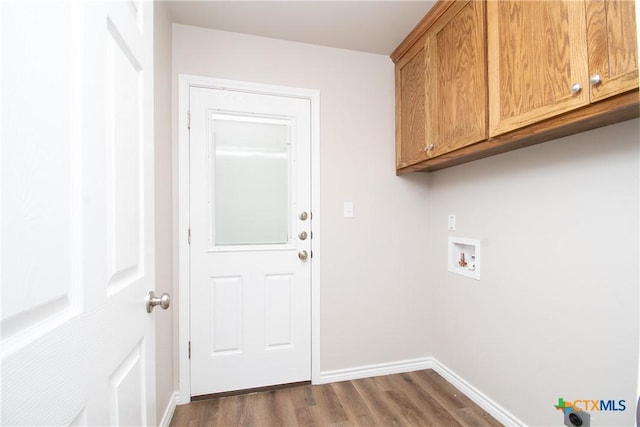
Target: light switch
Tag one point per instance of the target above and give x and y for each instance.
(348, 210)
(452, 222)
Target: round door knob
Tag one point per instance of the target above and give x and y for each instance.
(302, 235)
(152, 300)
(303, 215)
(595, 79)
(431, 147)
(576, 87)
(303, 255)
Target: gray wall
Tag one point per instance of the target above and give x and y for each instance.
(373, 288)
(555, 313)
(165, 384)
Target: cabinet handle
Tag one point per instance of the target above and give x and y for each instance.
(576, 87)
(595, 79)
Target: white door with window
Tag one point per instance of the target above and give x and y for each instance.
(250, 224)
(77, 213)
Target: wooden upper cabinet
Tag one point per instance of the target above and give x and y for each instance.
(441, 86)
(456, 78)
(410, 107)
(612, 41)
(537, 52)
(483, 77)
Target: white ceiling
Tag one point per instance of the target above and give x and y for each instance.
(368, 26)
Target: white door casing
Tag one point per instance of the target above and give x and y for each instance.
(226, 280)
(77, 213)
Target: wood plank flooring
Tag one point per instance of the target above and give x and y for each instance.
(421, 398)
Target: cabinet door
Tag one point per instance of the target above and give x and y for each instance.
(410, 107)
(613, 54)
(456, 79)
(537, 61)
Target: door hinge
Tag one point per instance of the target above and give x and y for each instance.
(189, 349)
(189, 120)
(189, 236)
(311, 252)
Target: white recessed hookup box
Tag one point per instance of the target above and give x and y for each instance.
(464, 257)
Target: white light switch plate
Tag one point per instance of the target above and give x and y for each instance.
(348, 210)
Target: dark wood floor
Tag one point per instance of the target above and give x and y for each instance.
(421, 398)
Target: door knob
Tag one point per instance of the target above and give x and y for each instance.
(153, 300)
(303, 255)
(303, 215)
(576, 87)
(595, 79)
(302, 235)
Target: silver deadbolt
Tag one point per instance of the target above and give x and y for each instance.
(302, 235)
(303, 255)
(153, 300)
(303, 215)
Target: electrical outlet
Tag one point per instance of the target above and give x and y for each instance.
(452, 222)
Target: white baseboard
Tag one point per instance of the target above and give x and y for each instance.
(480, 399)
(376, 370)
(168, 412)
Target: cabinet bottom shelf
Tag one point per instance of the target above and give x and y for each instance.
(616, 109)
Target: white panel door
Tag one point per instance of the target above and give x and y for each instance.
(250, 240)
(77, 213)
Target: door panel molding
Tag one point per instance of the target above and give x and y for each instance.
(185, 82)
(77, 213)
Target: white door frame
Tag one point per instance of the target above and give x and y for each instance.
(185, 82)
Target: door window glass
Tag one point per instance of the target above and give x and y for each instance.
(250, 176)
